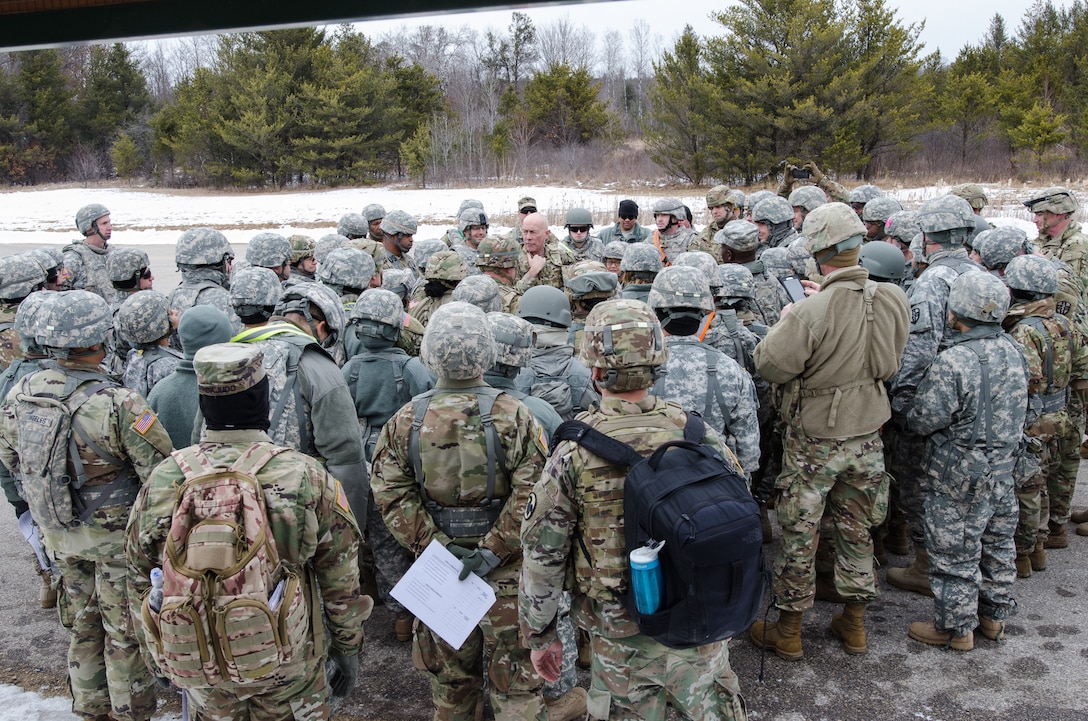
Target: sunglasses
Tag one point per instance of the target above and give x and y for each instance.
(526, 211)
(628, 217)
(146, 275)
(578, 228)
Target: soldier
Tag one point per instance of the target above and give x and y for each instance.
(374, 214)
(118, 445)
(640, 265)
(204, 259)
(445, 270)
(831, 354)
(347, 272)
(774, 217)
(739, 243)
(589, 283)
(526, 206)
(424, 250)
(129, 270)
(143, 322)
(738, 293)
(328, 243)
(481, 291)
(471, 502)
(20, 275)
(581, 497)
(497, 258)
(861, 195)
(1057, 359)
(875, 215)
(804, 200)
(626, 228)
(884, 262)
(1000, 246)
(717, 204)
(613, 256)
(899, 229)
(310, 524)
(670, 238)
(971, 402)
(698, 377)
(397, 234)
(303, 262)
(945, 223)
(315, 309)
(473, 225)
(579, 225)
(85, 258)
(352, 226)
(976, 198)
(272, 251)
(549, 260)
(52, 262)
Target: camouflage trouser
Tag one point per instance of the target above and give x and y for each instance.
(456, 675)
(105, 670)
(1031, 501)
(906, 458)
(847, 476)
(969, 536)
(637, 678)
(564, 628)
(391, 559)
(304, 698)
(1062, 482)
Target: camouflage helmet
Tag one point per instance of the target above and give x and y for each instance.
(972, 193)
(301, 298)
(144, 318)
(1032, 273)
(754, 198)
(918, 247)
(423, 250)
(346, 268)
(614, 250)
(975, 242)
(718, 195)
(681, 287)
(623, 335)
(469, 203)
(578, 216)
(946, 219)
(641, 258)
(864, 193)
(979, 297)
(268, 250)
(776, 262)
(328, 243)
(902, 226)
(20, 275)
(833, 225)
(373, 248)
(498, 253)
(1055, 199)
(398, 222)
(670, 206)
(87, 215)
(51, 258)
(302, 247)
(736, 281)
(546, 305)
(125, 263)
(740, 235)
(808, 197)
(378, 306)
(470, 217)
(446, 265)
(883, 260)
(1001, 245)
(514, 339)
(399, 280)
(202, 246)
(373, 212)
(735, 198)
(704, 262)
(772, 210)
(255, 291)
(880, 209)
(352, 225)
(481, 291)
(589, 279)
(26, 319)
(73, 319)
(458, 343)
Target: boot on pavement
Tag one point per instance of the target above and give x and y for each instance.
(1079, 517)
(783, 636)
(1082, 529)
(402, 626)
(927, 632)
(1038, 557)
(849, 627)
(991, 628)
(914, 577)
(47, 594)
(1023, 565)
(567, 707)
(1057, 538)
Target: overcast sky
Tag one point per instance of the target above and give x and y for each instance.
(950, 24)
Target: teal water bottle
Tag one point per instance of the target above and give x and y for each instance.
(647, 580)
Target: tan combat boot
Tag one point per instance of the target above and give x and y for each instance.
(914, 577)
(47, 594)
(1057, 538)
(1023, 565)
(567, 707)
(1082, 529)
(991, 628)
(783, 636)
(1079, 517)
(1038, 557)
(402, 626)
(849, 627)
(926, 632)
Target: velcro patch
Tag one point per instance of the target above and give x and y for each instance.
(342, 498)
(143, 424)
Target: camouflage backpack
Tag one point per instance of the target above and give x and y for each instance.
(230, 611)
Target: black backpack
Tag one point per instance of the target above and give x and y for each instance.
(687, 495)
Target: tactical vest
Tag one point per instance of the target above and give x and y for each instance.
(713, 395)
(1056, 396)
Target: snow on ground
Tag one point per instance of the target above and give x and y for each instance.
(19, 705)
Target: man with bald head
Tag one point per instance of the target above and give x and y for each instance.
(548, 258)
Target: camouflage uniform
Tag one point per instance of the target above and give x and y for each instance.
(9, 339)
(145, 367)
(446, 267)
(591, 248)
(671, 245)
(559, 258)
(200, 253)
(458, 480)
(87, 265)
(142, 322)
(482, 291)
(770, 296)
(314, 532)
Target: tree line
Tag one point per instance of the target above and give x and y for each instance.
(844, 82)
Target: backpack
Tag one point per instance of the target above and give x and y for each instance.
(230, 612)
(712, 561)
(47, 442)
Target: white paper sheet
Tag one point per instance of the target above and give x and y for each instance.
(431, 591)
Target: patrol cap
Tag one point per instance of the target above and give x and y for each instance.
(526, 202)
(226, 369)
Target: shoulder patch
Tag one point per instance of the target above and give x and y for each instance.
(915, 314)
(342, 498)
(530, 506)
(143, 424)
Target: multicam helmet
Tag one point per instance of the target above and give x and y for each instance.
(833, 225)
(470, 217)
(589, 279)
(268, 250)
(1055, 200)
(718, 195)
(704, 262)
(641, 258)
(21, 275)
(882, 260)
(328, 243)
(545, 305)
(378, 313)
(423, 250)
(946, 219)
(447, 265)
(458, 343)
(346, 270)
(864, 193)
(73, 319)
(373, 212)
(681, 287)
(255, 291)
(880, 209)
(902, 226)
(736, 281)
(624, 337)
(126, 263)
(772, 210)
(1001, 245)
(670, 206)
(144, 318)
(302, 247)
(972, 193)
(481, 291)
(352, 225)
(1032, 273)
(514, 339)
(979, 296)
(740, 235)
(87, 215)
(202, 246)
(808, 197)
(398, 222)
(498, 253)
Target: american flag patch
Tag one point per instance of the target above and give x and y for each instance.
(342, 498)
(143, 423)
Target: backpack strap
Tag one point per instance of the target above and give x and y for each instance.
(615, 452)
(984, 406)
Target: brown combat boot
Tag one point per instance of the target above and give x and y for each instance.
(991, 629)
(914, 577)
(783, 636)
(898, 539)
(567, 707)
(849, 627)
(402, 626)
(926, 632)
(47, 594)
(1082, 529)
(1038, 557)
(1057, 538)
(1023, 565)
(1079, 517)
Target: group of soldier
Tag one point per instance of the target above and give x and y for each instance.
(926, 393)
